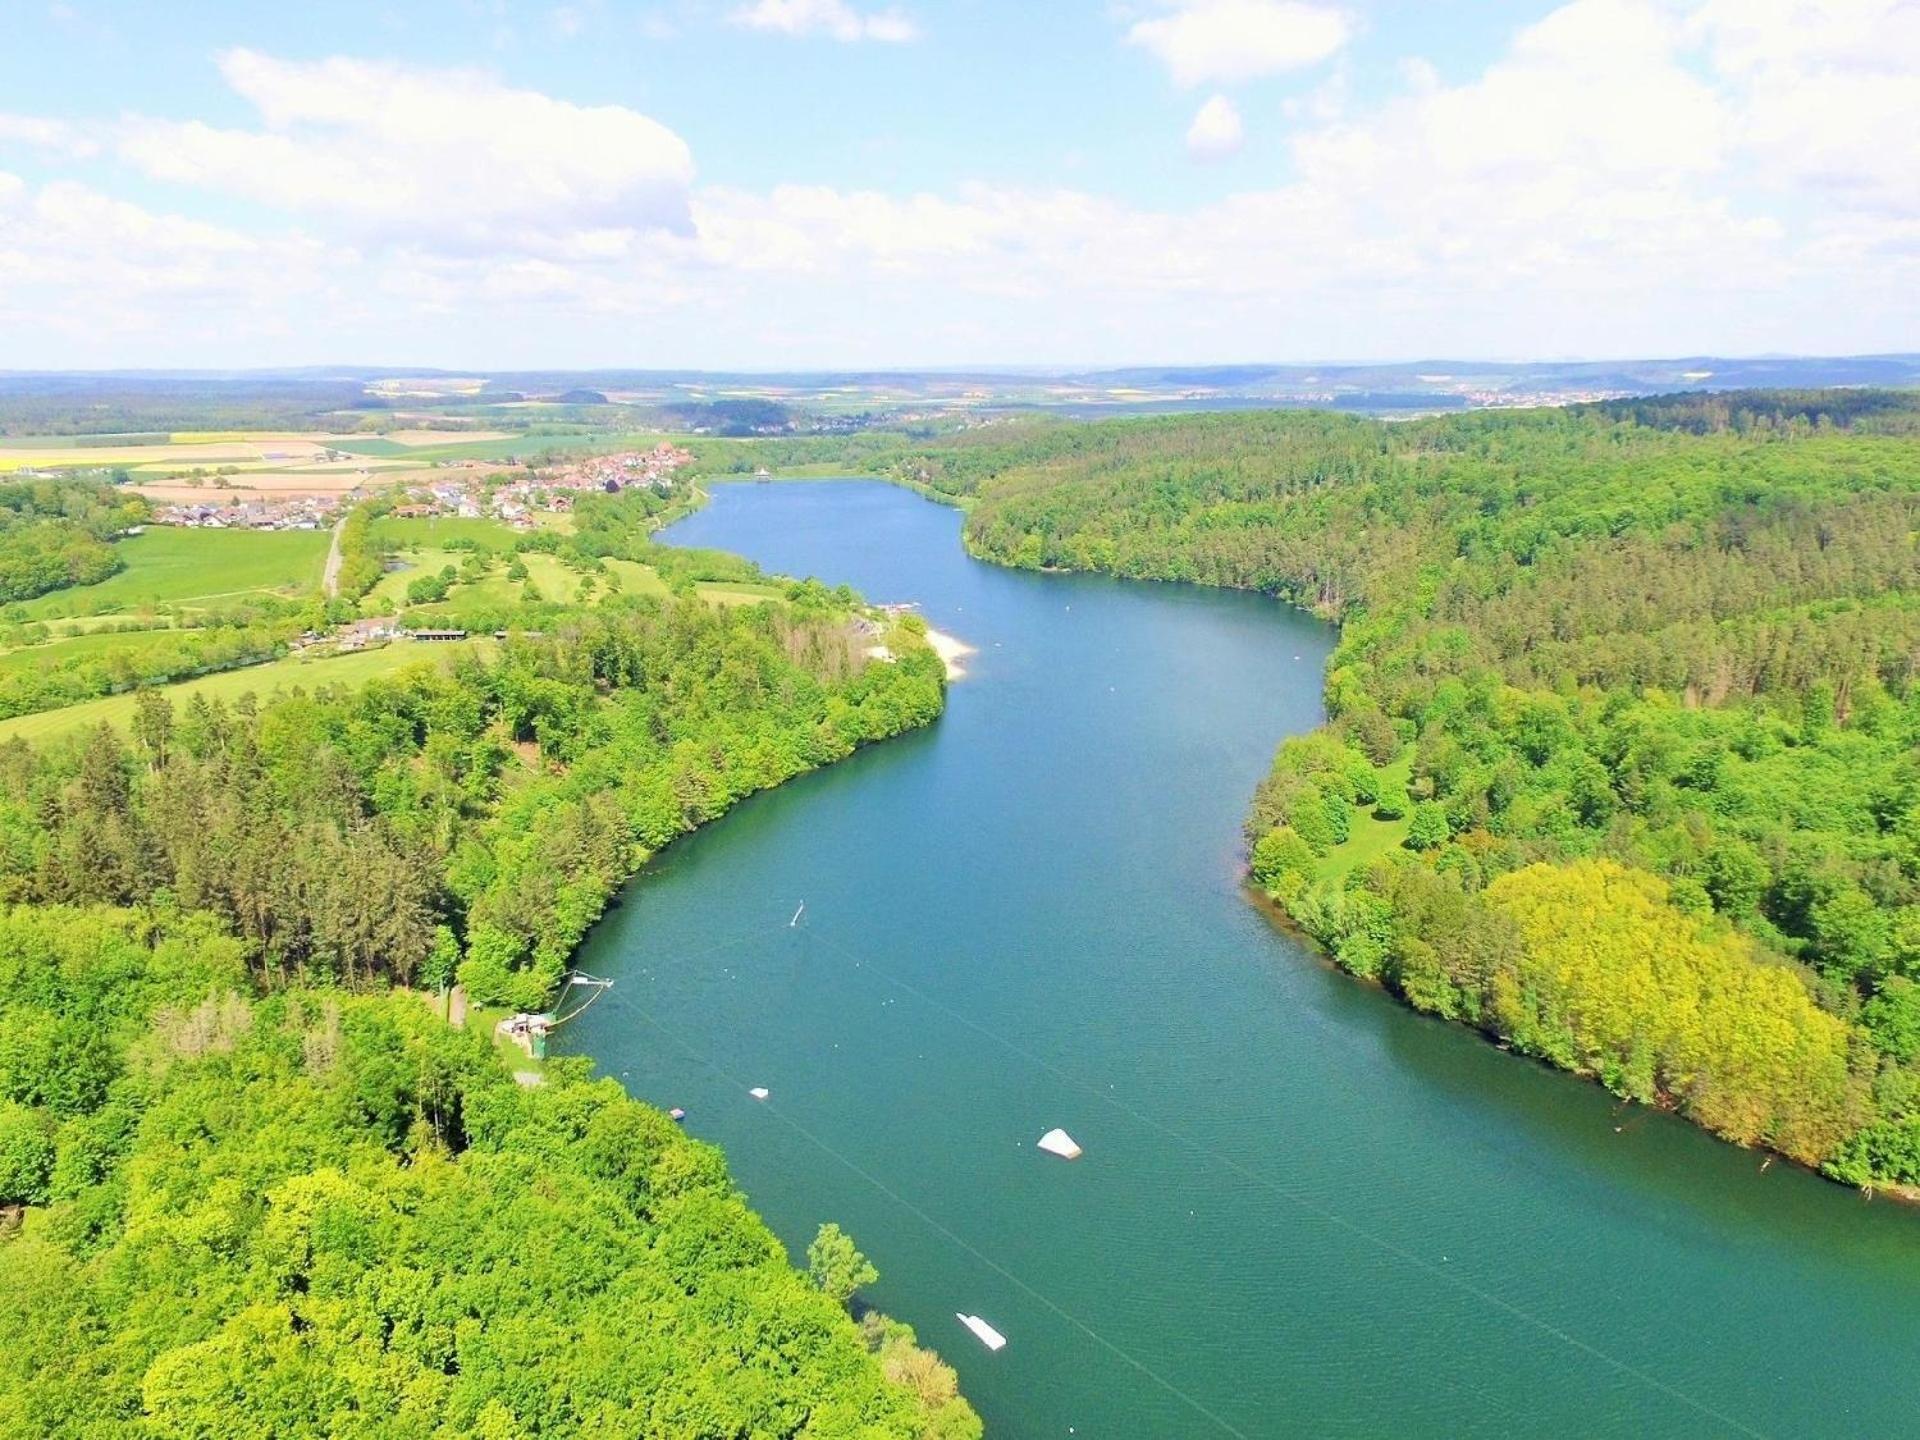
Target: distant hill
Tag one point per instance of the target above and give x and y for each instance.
(763, 403)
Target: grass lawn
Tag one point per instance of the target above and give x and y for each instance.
(556, 580)
(1367, 838)
(390, 593)
(738, 593)
(171, 565)
(437, 530)
(420, 548)
(262, 680)
(637, 579)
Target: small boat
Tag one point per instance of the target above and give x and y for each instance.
(676, 1113)
(759, 1092)
(982, 1331)
(1058, 1142)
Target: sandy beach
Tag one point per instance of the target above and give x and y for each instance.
(951, 651)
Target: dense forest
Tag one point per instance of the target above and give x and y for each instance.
(311, 1211)
(1620, 763)
(252, 1184)
(477, 819)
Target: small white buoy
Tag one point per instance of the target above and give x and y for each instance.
(759, 1092)
(1058, 1142)
(982, 1331)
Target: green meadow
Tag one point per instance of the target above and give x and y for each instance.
(407, 533)
(303, 672)
(1368, 836)
(167, 565)
(96, 644)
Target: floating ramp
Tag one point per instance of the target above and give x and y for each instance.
(1058, 1142)
(759, 1092)
(982, 1331)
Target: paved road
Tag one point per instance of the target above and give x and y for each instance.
(330, 580)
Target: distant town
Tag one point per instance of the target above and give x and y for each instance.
(471, 489)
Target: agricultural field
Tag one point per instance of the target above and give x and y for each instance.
(170, 566)
(231, 465)
(303, 672)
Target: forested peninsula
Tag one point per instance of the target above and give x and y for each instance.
(1619, 764)
(251, 1183)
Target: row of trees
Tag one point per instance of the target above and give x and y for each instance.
(46, 676)
(1648, 673)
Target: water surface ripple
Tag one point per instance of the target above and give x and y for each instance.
(1303, 1210)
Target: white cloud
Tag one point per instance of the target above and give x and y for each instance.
(1216, 130)
(93, 274)
(833, 18)
(1222, 42)
(1628, 176)
(453, 157)
(44, 134)
(1593, 189)
(1822, 94)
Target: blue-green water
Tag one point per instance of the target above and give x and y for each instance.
(1303, 1210)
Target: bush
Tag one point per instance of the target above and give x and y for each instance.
(26, 1155)
(1429, 830)
(1339, 816)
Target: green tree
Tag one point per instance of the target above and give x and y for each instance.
(838, 1269)
(1429, 829)
(1736, 877)
(26, 1155)
(1279, 853)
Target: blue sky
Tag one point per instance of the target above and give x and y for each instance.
(760, 183)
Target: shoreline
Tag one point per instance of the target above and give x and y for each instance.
(951, 651)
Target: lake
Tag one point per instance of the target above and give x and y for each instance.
(1303, 1209)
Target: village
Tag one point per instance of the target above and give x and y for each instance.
(472, 489)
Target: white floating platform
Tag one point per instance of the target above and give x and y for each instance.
(982, 1331)
(1058, 1142)
(759, 1092)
